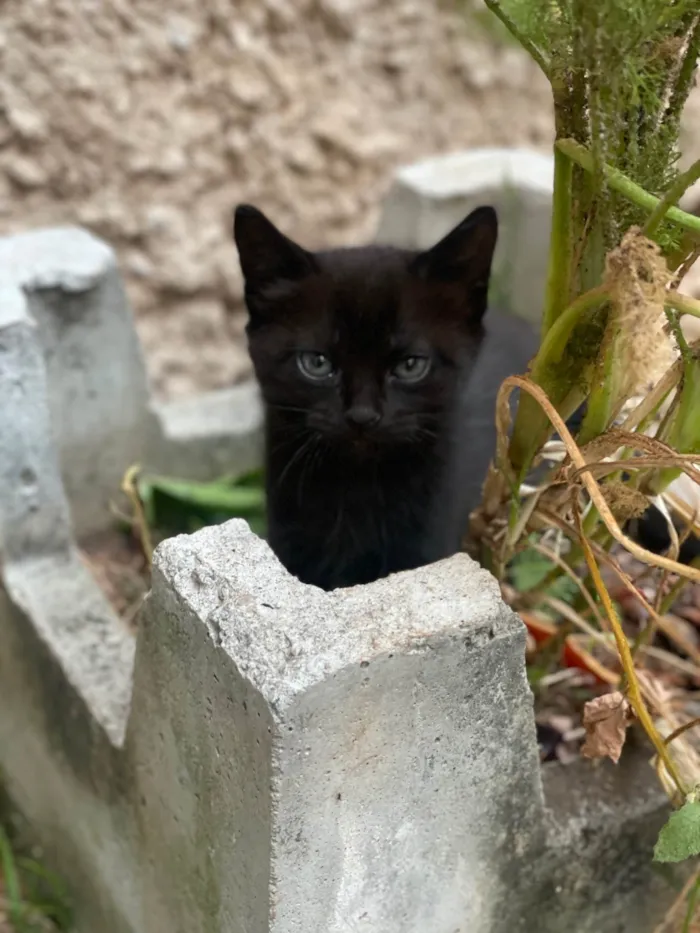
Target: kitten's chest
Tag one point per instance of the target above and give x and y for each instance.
(341, 528)
(367, 502)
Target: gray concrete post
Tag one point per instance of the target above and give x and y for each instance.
(102, 420)
(208, 435)
(430, 197)
(42, 573)
(98, 396)
(359, 760)
(34, 514)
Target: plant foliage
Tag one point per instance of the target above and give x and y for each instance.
(620, 72)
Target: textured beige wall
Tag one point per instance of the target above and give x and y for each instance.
(146, 122)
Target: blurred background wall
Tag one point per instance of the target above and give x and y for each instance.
(147, 122)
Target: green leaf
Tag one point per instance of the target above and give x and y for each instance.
(175, 506)
(219, 497)
(679, 839)
(528, 570)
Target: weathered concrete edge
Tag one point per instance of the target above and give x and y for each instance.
(495, 167)
(41, 571)
(202, 436)
(199, 437)
(70, 615)
(41, 259)
(403, 612)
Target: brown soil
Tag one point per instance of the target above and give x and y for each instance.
(120, 569)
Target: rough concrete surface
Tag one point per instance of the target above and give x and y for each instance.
(42, 575)
(69, 345)
(597, 874)
(208, 435)
(296, 761)
(34, 514)
(396, 723)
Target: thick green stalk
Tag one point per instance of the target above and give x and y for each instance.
(681, 426)
(686, 76)
(554, 343)
(625, 186)
(605, 393)
(683, 303)
(560, 244)
(550, 372)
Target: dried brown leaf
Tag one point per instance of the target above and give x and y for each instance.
(605, 720)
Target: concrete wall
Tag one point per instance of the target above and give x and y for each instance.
(291, 760)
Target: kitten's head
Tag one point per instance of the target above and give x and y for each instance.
(365, 346)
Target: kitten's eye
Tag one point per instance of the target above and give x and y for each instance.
(314, 365)
(412, 369)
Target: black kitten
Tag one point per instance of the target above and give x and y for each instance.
(375, 451)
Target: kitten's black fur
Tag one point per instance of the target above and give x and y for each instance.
(368, 472)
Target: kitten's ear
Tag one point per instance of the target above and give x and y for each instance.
(267, 255)
(461, 262)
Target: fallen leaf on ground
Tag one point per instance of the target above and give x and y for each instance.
(605, 720)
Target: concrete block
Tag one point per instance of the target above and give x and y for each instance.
(208, 435)
(98, 395)
(102, 419)
(430, 197)
(296, 761)
(42, 574)
(367, 744)
(34, 513)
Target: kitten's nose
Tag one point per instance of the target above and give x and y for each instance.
(364, 416)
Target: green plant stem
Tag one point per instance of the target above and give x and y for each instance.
(604, 394)
(625, 186)
(683, 303)
(517, 34)
(672, 595)
(11, 880)
(671, 198)
(560, 244)
(531, 425)
(555, 341)
(692, 904)
(686, 76)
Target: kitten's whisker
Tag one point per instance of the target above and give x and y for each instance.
(307, 464)
(297, 456)
(290, 439)
(291, 408)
